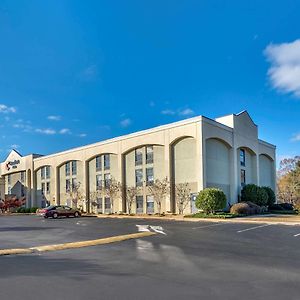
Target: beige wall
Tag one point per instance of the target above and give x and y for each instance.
(200, 151)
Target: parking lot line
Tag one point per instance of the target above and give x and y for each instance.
(206, 226)
(253, 228)
(298, 234)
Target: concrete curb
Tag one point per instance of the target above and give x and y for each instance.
(265, 219)
(74, 245)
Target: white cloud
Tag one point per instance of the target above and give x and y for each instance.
(186, 112)
(284, 72)
(125, 122)
(82, 135)
(7, 109)
(296, 138)
(65, 131)
(47, 131)
(54, 118)
(180, 112)
(89, 73)
(168, 112)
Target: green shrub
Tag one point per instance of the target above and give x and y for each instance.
(255, 194)
(271, 195)
(241, 208)
(287, 206)
(210, 200)
(33, 209)
(27, 210)
(276, 207)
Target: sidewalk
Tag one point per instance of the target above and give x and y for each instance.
(260, 219)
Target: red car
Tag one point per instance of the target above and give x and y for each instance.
(55, 211)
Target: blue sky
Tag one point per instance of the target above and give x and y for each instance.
(77, 72)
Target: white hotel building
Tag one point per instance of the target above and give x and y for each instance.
(224, 153)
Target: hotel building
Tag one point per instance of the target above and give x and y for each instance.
(224, 153)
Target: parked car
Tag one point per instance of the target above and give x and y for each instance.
(55, 211)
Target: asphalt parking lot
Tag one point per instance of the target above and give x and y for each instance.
(183, 260)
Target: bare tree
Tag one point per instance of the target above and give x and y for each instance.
(159, 189)
(94, 196)
(183, 194)
(113, 189)
(131, 193)
(77, 196)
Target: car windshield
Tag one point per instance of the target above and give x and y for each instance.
(50, 207)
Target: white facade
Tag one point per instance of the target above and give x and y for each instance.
(200, 151)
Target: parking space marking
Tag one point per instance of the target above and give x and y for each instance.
(253, 228)
(206, 226)
(298, 234)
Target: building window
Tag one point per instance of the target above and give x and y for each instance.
(98, 182)
(43, 173)
(149, 176)
(68, 185)
(9, 190)
(98, 163)
(74, 167)
(48, 187)
(150, 205)
(8, 179)
(74, 184)
(99, 203)
(67, 169)
(107, 203)
(48, 172)
(23, 176)
(139, 204)
(43, 188)
(106, 180)
(242, 157)
(243, 178)
(139, 156)
(139, 177)
(106, 161)
(149, 155)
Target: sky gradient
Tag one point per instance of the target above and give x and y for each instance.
(77, 72)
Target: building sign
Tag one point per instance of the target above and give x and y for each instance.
(12, 164)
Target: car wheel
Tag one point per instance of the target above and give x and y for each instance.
(76, 214)
(55, 215)
(46, 217)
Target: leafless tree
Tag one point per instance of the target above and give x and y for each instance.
(131, 193)
(183, 193)
(94, 196)
(159, 189)
(77, 196)
(113, 189)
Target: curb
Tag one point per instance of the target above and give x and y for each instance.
(75, 245)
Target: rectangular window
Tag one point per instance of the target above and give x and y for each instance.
(106, 161)
(67, 169)
(149, 176)
(107, 203)
(43, 188)
(98, 163)
(48, 187)
(74, 167)
(98, 182)
(139, 177)
(43, 173)
(8, 179)
(74, 184)
(106, 180)
(9, 191)
(243, 178)
(139, 156)
(150, 205)
(23, 176)
(242, 157)
(68, 185)
(139, 204)
(99, 204)
(48, 172)
(149, 155)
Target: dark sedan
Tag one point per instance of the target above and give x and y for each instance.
(55, 211)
